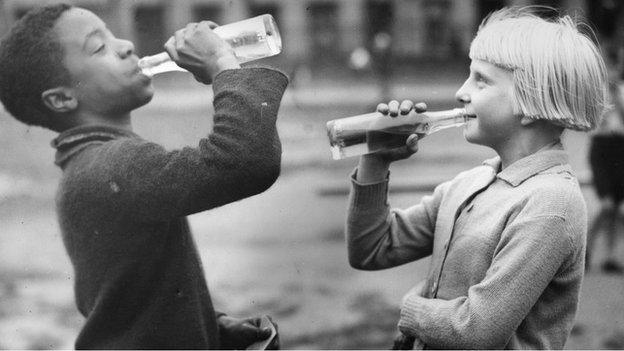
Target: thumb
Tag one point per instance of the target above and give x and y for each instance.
(412, 142)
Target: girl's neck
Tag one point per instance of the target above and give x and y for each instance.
(522, 148)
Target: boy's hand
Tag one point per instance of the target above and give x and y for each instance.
(393, 109)
(199, 50)
(239, 333)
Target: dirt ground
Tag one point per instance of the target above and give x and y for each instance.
(281, 253)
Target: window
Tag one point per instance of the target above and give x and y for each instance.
(323, 29)
(260, 9)
(208, 13)
(150, 29)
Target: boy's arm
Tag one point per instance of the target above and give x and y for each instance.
(378, 237)
(530, 253)
(240, 158)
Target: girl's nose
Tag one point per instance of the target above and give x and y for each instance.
(462, 95)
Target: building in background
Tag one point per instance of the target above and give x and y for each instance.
(322, 33)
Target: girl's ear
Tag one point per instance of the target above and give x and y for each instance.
(59, 99)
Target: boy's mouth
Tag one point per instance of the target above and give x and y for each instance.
(139, 71)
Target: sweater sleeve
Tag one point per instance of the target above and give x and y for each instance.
(530, 253)
(239, 158)
(379, 237)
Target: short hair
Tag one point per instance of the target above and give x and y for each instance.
(31, 61)
(559, 73)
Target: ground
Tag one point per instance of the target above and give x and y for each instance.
(282, 252)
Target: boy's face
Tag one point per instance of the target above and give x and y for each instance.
(488, 94)
(103, 68)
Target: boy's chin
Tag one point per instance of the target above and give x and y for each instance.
(147, 98)
(144, 98)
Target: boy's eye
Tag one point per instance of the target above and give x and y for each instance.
(99, 49)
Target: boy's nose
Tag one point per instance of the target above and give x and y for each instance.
(126, 48)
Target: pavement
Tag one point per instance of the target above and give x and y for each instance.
(332, 94)
(600, 319)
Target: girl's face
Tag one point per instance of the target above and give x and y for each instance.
(488, 94)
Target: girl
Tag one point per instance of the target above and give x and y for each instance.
(507, 238)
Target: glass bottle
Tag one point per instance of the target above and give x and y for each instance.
(372, 132)
(252, 39)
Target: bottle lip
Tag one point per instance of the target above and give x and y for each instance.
(271, 29)
(332, 132)
(462, 111)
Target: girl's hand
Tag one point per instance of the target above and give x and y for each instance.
(393, 109)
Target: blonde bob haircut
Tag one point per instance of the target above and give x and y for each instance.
(558, 72)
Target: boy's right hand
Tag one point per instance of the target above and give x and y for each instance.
(199, 50)
(240, 333)
(393, 109)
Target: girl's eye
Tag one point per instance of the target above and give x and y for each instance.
(481, 82)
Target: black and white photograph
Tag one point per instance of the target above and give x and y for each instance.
(311, 174)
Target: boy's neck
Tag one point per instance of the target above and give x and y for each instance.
(122, 121)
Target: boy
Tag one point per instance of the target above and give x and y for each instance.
(506, 239)
(122, 201)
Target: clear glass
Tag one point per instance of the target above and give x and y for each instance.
(372, 132)
(251, 39)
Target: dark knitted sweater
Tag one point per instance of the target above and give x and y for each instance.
(122, 203)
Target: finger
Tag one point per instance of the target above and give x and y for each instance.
(393, 107)
(171, 50)
(274, 324)
(190, 29)
(412, 143)
(210, 24)
(382, 108)
(263, 333)
(420, 107)
(275, 344)
(179, 39)
(191, 26)
(406, 106)
(255, 321)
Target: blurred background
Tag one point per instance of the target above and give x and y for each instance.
(283, 252)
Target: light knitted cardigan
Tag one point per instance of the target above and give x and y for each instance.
(507, 253)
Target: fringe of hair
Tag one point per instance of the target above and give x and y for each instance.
(559, 73)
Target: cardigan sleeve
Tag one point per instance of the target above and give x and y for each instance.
(530, 253)
(379, 237)
(239, 158)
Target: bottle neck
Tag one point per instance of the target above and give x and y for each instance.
(438, 120)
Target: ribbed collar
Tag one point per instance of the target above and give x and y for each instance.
(523, 169)
(75, 139)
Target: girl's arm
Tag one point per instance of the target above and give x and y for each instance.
(379, 237)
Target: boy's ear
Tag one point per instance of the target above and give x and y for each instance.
(525, 121)
(60, 99)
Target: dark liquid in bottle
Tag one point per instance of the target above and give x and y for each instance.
(385, 140)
